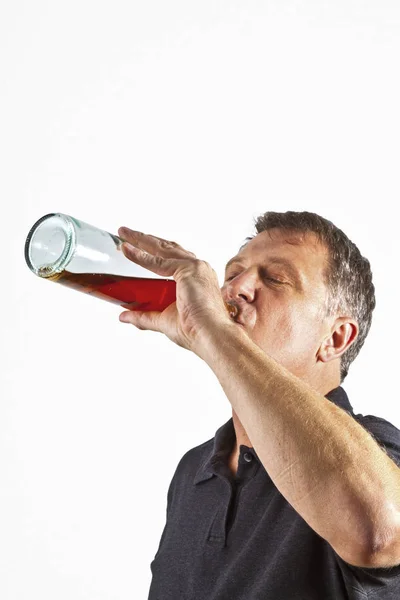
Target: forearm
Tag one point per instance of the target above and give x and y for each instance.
(321, 460)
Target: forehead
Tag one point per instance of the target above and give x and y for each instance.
(303, 250)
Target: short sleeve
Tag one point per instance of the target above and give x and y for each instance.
(382, 582)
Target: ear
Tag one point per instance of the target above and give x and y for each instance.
(343, 334)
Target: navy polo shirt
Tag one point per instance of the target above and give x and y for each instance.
(237, 538)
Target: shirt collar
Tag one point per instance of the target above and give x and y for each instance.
(225, 437)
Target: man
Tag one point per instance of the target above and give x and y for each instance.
(295, 497)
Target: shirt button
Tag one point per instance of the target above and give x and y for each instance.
(247, 457)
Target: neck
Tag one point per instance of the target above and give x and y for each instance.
(241, 435)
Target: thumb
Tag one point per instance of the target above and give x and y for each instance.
(141, 319)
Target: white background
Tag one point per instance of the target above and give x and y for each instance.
(184, 120)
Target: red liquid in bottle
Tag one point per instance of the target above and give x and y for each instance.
(132, 293)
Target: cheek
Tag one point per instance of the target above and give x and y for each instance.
(293, 328)
(305, 328)
(276, 327)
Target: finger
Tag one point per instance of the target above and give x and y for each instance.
(141, 320)
(157, 264)
(143, 237)
(151, 243)
(145, 240)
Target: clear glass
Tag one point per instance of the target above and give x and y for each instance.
(66, 250)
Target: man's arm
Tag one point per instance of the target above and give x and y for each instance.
(323, 462)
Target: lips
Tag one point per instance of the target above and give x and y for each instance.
(234, 313)
(232, 309)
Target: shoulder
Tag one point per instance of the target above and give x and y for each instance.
(384, 433)
(196, 455)
(192, 460)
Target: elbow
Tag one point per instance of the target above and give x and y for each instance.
(380, 547)
(384, 551)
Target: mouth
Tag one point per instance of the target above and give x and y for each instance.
(233, 313)
(232, 309)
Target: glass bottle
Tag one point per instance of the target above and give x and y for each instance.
(66, 250)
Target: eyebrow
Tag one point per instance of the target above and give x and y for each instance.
(275, 260)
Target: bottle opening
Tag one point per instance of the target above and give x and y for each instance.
(232, 309)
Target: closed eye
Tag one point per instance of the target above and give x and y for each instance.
(268, 278)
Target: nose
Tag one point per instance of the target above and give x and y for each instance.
(243, 287)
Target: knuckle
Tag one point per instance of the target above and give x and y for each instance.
(166, 244)
(201, 268)
(202, 264)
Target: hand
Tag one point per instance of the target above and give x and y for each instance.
(199, 304)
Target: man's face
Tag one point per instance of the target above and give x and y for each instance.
(283, 317)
